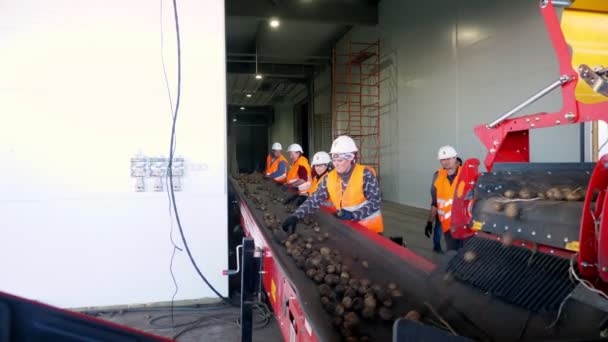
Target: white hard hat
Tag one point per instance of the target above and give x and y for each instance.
(320, 158)
(446, 152)
(277, 146)
(295, 148)
(343, 144)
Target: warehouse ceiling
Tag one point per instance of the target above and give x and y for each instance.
(287, 55)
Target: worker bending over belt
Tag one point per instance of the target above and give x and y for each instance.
(321, 163)
(276, 164)
(298, 177)
(442, 194)
(351, 187)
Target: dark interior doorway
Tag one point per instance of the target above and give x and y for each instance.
(302, 126)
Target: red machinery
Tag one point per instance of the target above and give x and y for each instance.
(27, 320)
(507, 142)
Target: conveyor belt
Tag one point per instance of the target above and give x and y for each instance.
(383, 268)
(471, 311)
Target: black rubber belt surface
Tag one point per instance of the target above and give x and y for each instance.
(532, 280)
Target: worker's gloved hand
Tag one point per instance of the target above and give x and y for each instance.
(289, 225)
(284, 187)
(291, 199)
(345, 215)
(300, 199)
(428, 230)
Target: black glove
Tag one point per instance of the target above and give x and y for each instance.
(428, 230)
(300, 200)
(344, 215)
(291, 199)
(284, 187)
(289, 225)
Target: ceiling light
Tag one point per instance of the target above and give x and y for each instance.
(258, 76)
(248, 95)
(234, 120)
(274, 23)
(242, 108)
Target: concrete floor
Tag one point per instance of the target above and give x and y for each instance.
(220, 325)
(215, 325)
(409, 222)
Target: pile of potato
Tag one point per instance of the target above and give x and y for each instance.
(347, 298)
(552, 194)
(508, 204)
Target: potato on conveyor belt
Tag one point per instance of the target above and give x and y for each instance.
(575, 195)
(525, 193)
(509, 194)
(512, 210)
(555, 194)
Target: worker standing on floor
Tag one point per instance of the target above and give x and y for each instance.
(442, 194)
(437, 230)
(298, 177)
(276, 164)
(351, 187)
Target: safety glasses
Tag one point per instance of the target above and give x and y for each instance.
(342, 156)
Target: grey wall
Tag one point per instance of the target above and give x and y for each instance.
(449, 66)
(322, 111)
(282, 128)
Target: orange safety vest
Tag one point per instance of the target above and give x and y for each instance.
(445, 197)
(315, 184)
(353, 198)
(273, 166)
(292, 175)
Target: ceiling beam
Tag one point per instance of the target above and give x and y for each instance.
(289, 71)
(345, 12)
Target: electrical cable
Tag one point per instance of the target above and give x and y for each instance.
(264, 313)
(154, 322)
(175, 246)
(441, 319)
(200, 325)
(172, 151)
(588, 285)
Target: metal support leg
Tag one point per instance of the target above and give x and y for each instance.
(249, 280)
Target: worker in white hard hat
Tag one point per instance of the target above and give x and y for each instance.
(442, 194)
(320, 166)
(351, 187)
(276, 164)
(299, 177)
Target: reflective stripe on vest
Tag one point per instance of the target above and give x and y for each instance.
(273, 166)
(292, 175)
(353, 198)
(445, 195)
